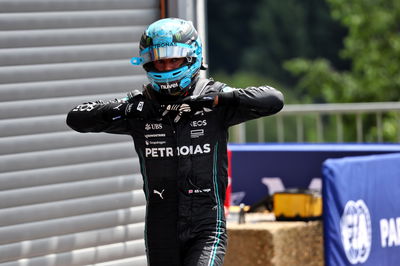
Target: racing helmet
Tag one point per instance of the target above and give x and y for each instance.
(171, 38)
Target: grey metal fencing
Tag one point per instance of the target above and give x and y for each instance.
(317, 115)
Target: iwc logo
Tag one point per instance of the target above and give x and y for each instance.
(355, 227)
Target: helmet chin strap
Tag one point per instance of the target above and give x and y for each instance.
(155, 86)
(185, 82)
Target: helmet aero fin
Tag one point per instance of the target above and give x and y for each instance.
(165, 39)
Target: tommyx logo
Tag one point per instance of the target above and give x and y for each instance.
(355, 227)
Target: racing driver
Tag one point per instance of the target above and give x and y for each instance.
(179, 124)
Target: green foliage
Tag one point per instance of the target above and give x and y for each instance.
(320, 82)
(275, 37)
(258, 37)
(243, 79)
(316, 51)
(229, 33)
(372, 45)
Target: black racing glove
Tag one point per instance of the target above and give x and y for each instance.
(178, 108)
(140, 107)
(210, 100)
(198, 102)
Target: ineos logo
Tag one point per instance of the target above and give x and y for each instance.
(198, 123)
(355, 227)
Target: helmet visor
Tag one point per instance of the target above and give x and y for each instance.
(155, 53)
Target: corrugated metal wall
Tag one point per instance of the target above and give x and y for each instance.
(68, 198)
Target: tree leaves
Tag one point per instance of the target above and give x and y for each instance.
(372, 45)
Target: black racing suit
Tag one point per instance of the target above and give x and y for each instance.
(184, 169)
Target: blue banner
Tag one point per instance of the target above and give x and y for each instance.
(361, 210)
(259, 170)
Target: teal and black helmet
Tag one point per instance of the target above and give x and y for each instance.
(171, 38)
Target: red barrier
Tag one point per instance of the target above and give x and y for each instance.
(227, 202)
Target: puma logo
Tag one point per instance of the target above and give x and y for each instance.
(159, 193)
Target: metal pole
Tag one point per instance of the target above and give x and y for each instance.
(379, 126)
(398, 125)
(280, 129)
(300, 128)
(260, 130)
(201, 15)
(339, 128)
(239, 133)
(359, 127)
(320, 129)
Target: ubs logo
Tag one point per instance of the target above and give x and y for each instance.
(355, 227)
(152, 126)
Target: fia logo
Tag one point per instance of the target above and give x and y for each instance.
(355, 227)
